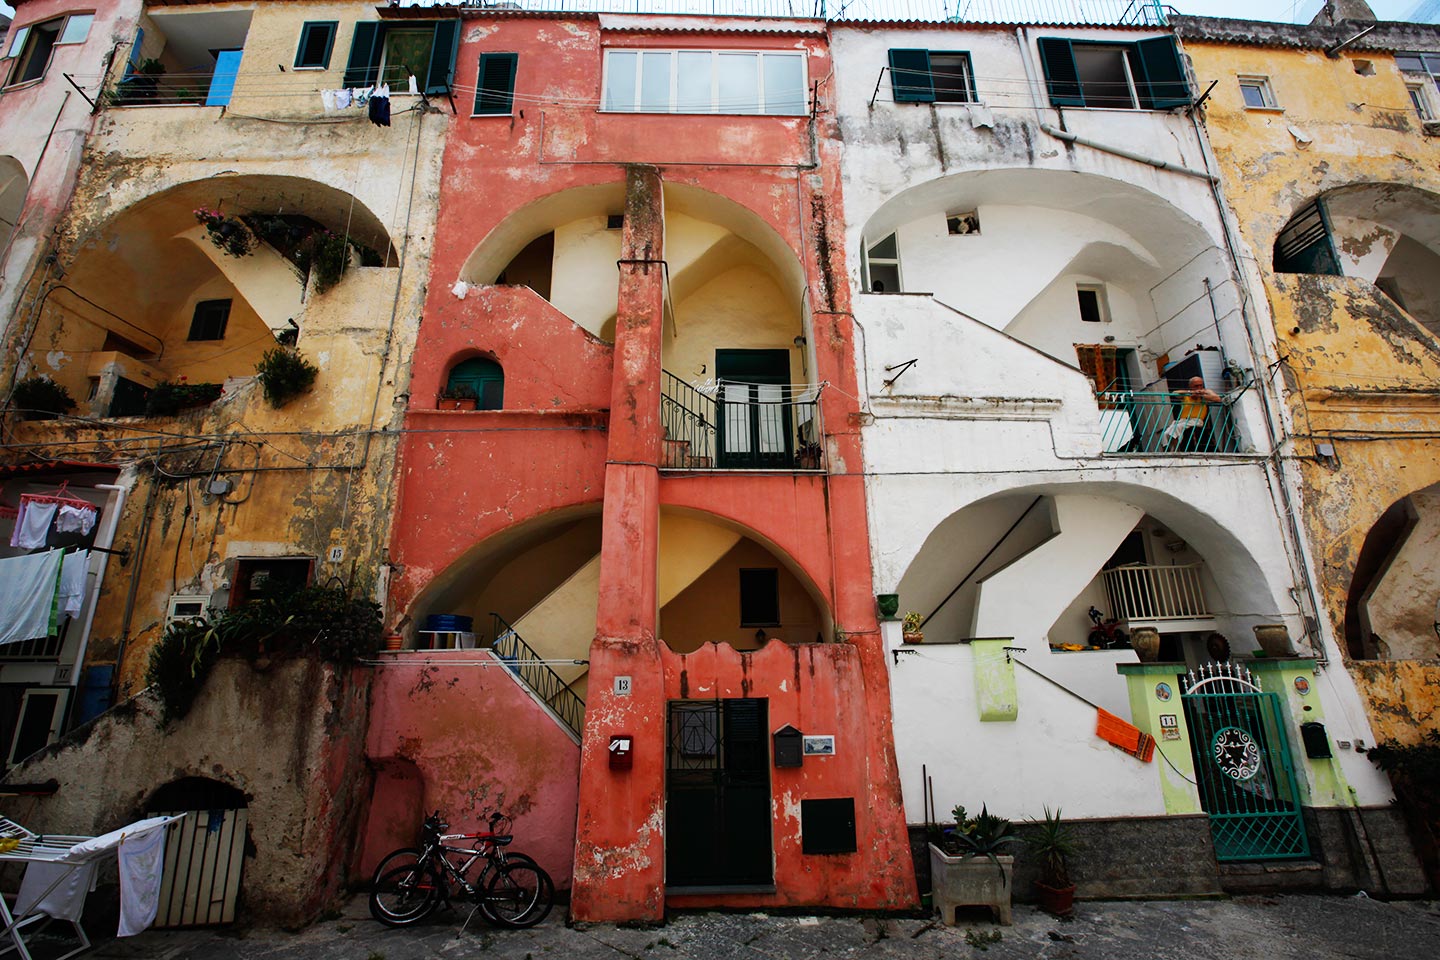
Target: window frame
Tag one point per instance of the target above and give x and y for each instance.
(608, 71)
(195, 320)
(1260, 82)
(509, 95)
(1155, 73)
(1102, 302)
(1420, 99)
(365, 62)
(867, 259)
(772, 588)
(914, 92)
(306, 29)
(19, 51)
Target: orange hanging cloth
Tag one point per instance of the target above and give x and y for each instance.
(1126, 736)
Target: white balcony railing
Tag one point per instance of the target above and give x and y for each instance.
(1147, 592)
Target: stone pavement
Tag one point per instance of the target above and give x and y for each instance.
(1262, 928)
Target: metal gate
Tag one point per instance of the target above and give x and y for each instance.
(1243, 765)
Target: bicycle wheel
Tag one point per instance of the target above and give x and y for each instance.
(519, 894)
(403, 892)
(482, 883)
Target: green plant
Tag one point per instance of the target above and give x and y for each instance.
(1052, 843)
(325, 256)
(1414, 768)
(284, 374)
(984, 836)
(179, 664)
(911, 622)
(167, 398)
(459, 391)
(40, 398)
(227, 233)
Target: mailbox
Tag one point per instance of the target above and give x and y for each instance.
(788, 743)
(1317, 744)
(621, 755)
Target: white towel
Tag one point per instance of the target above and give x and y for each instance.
(980, 116)
(75, 519)
(55, 889)
(414, 88)
(327, 100)
(73, 580)
(107, 841)
(32, 526)
(27, 595)
(142, 864)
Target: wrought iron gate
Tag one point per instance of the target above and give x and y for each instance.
(1243, 765)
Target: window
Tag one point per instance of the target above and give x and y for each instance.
(1304, 246)
(495, 93)
(1256, 93)
(484, 377)
(962, 224)
(1420, 99)
(760, 597)
(932, 76)
(1094, 308)
(882, 266)
(1427, 63)
(209, 320)
(262, 578)
(317, 39)
(31, 45)
(1146, 74)
(386, 53)
(182, 608)
(704, 81)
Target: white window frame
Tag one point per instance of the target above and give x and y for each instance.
(1102, 301)
(173, 616)
(715, 107)
(1261, 84)
(867, 260)
(20, 38)
(1420, 97)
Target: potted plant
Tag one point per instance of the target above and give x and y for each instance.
(167, 399)
(284, 374)
(460, 396)
(967, 868)
(888, 604)
(910, 627)
(324, 257)
(227, 233)
(40, 398)
(1052, 842)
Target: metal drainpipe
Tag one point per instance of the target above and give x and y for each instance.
(138, 559)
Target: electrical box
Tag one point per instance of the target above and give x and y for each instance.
(788, 747)
(621, 755)
(1317, 744)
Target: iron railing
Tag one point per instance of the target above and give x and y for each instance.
(1138, 422)
(1142, 591)
(530, 668)
(171, 90)
(940, 11)
(728, 425)
(40, 648)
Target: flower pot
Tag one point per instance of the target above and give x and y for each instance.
(887, 604)
(395, 641)
(445, 403)
(915, 637)
(1146, 641)
(1274, 639)
(1059, 901)
(970, 882)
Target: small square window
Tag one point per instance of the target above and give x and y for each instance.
(495, 92)
(1257, 93)
(1093, 306)
(962, 224)
(317, 39)
(209, 320)
(760, 597)
(1365, 68)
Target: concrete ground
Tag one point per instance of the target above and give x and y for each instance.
(1263, 928)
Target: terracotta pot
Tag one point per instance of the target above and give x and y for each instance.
(1146, 641)
(1059, 901)
(914, 638)
(445, 403)
(395, 642)
(1274, 639)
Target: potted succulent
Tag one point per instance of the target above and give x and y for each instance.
(910, 626)
(967, 868)
(1052, 842)
(460, 396)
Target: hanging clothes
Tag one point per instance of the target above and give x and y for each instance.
(327, 100)
(74, 577)
(28, 587)
(142, 863)
(380, 107)
(67, 885)
(32, 526)
(361, 96)
(76, 518)
(342, 99)
(414, 90)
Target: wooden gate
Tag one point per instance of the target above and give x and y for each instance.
(203, 858)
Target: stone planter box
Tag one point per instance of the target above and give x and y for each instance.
(970, 882)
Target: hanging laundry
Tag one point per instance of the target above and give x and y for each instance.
(75, 518)
(342, 99)
(361, 96)
(327, 99)
(32, 526)
(57, 890)
(142, 863)
(414, 90)
(1125, 735)
(28, 586)
(73, 580)
(380, 107)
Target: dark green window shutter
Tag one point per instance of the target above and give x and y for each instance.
(317, 40)
(442, 57)
(363, 67)
(1165, 83)
(910, 76)
(496, 86)
(1062, 80)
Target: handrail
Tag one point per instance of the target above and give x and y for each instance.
(1141, 591)
(1144, 422)
(769, 426)
(530, 668)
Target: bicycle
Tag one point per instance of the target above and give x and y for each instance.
(409, 884)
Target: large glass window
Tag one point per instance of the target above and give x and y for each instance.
(704, 81)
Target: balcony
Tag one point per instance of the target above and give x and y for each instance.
(1171, 598)
(729, 425)
(1137, 422)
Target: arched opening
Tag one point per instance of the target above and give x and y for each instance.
(205, 852)
(478, 379)
(1392, 610)
(157, 294)
(1383, 233)
(13, 184)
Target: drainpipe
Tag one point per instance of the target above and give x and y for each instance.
(138, 559)
(103, 540)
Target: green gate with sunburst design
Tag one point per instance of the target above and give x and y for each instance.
(1243, 766)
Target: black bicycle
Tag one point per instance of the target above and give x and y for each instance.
(509, 890)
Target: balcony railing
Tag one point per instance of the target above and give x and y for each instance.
(1135, 422)
(728, 425)
(1133, 12)
(1149, 592)
(532, 671)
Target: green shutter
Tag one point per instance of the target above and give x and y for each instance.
(442, 57)
(362, 69)
(1062, 80)
(1165, 83)
(312, 28)
(495, 89)
(910, 76)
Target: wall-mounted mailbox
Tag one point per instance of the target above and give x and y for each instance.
(1317, 744)
(788, 744)
(621, 755)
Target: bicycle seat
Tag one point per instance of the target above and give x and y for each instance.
(501, 841)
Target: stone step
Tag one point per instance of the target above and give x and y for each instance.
(1278, 876)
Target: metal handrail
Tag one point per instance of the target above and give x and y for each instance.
(1143, 422)
(1141, 591)
(531, 669)
(774, 427)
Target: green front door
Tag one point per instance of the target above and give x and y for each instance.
(753, 419)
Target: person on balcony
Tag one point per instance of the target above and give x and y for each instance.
(1187, 432)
